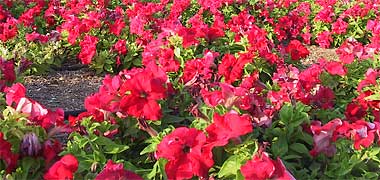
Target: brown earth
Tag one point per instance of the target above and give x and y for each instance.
(63, 89)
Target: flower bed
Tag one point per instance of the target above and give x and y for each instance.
(208, 89)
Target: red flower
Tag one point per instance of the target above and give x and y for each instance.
(8, 29)
(232, 68)
(63, 169)
(334, 68)
(7, 155)
(370, 79)
(189, 37)
(7, 71)
(296, 50)
(142, 91)
(14, 93)
(324, 98)
(200, 67)
(228, 126)
(116, 171)
(36, 37)
(354, 112)
(117, 27)
(186, 153)
(120, 47)
(363, 134)
(310, 76)
(167, 61)
(263, 167)
(51, 150)
(88, 49)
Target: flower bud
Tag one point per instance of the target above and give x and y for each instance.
(30, 145)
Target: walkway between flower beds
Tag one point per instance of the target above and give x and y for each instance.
(63, 89)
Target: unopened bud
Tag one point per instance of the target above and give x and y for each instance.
(30, 145)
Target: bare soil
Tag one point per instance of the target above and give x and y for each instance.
(63, 89)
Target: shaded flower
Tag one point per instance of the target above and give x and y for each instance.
(296, 50)
(7, 155)
(263, 167)
(323, 137)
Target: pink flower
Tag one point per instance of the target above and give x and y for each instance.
(339, 26)
(324, 39)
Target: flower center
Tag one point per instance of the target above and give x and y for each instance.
(186, 149)
(143, 94)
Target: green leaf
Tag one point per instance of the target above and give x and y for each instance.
(231, 166)
(148, 149)
(300, 148)
(280, 147)
(110, 146)
(286, 113)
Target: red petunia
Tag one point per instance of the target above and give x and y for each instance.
(263, 167)
(186, 153)
(116, 171)
(201, 67)
(324, 98)
(167, 61)
(141, 93)
(363, 133)
(51, 150)
(354, 112)
(63, 169)
(120, 47)
(14, 93)
(117, 27)
(88, 49)
(334, 68)
(232, 68)
(7, 155)
(296, 50)
(228, 126)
